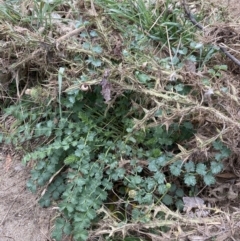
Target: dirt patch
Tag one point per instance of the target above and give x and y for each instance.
(232, 6)
(21, 217)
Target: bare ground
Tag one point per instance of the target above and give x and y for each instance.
(21, 217)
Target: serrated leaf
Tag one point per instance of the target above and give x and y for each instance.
(201, 169)
(94, 62)
(67, 229)
(70, 208)
(183, 51)
(216, 167)
(41, 165)
(152, 166)
(179, 204)
(91, 214)
(159, 177)
(107, 184)
(189, 166)
(147, 199)
(93, 33)
(190, 180)
(217, 145)
(86, 45)
(119, 173)
(162, 189)
(175, 168)
(137, 179)
(59, 223)
(70, 159)
(143, 78)
(150, 183)
(81, 235)
(161, 161)
(209, 179)
(220, 67)
(195, 45)
(31, 186)
(179, 87)
(57, 234)
(97, 49)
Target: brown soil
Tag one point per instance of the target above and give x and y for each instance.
(21, 217)
(232, 6)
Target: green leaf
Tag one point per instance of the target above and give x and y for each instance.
(150, 183)
(167, 199)
(55, 195)
(136, 180)
(201, 169)
(57, 234)
(173, 188)
(94, 62)
(159, 177)
(70, 208)
(217, 145)
(161, 161)
(47, 203)
(195, 45)
(179, 204)
(174, 60)
(179, 87)
(216, 167)
(152, 166)
(190, 180)
(81, 235)
(209, 179)
(86, 45)
(183, 51)
(97, 49)
(175, 168)
(67, 229)
(179, 192)
(189, 166)
(188, 125)
(91, 214)
(162, 189)
(93, 33)
(119, 173)
(31, 186)
(80, 181)
(147, 199)
(70, 159)
(41, 165)
(107, 184)
(220, 67)
(143, 78)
